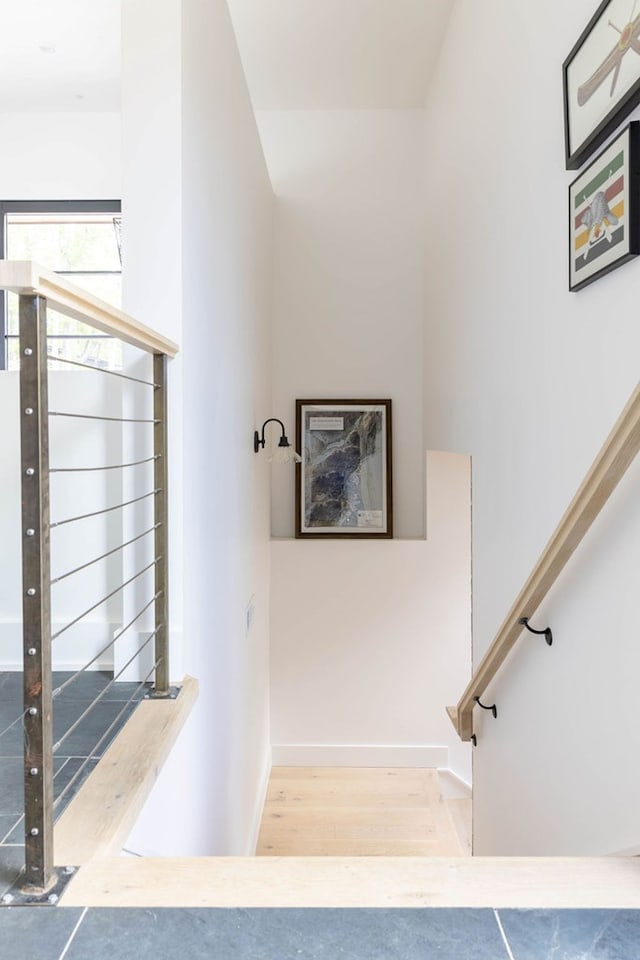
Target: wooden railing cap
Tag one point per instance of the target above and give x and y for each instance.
(27, 277)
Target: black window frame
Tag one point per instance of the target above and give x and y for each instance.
(7, 207)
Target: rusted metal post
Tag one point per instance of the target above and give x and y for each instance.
(36, 595)
(161, 520)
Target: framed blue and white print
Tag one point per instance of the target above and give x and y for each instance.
(343, 484)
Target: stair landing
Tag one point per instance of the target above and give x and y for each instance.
(363, 811)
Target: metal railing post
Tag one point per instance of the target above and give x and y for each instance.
(36, 589)
(161, 472)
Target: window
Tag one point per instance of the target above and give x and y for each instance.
(79, 240)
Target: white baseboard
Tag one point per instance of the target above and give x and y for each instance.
(65, 666)
(70, 652)
(252, 841)
(627, 852)
(453, 786)
(358, 755)
(85, 640)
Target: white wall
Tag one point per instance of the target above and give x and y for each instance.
(368, 640)
(371, 641)
(529, 379)
(198, 208)
(348, 284)
(60, 156)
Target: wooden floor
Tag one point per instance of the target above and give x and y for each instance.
(357, 812)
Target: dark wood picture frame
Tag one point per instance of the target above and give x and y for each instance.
(604, 58)
(604, 211)
(344, 483)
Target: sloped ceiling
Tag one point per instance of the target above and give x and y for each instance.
(339, 54)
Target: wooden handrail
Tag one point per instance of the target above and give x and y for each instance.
(610, 465)
(25, 276)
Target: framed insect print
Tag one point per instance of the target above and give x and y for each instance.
(601, 78)
(343, 484)
(604, 211)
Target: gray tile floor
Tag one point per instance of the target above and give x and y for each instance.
(41, 933)
(70, 756)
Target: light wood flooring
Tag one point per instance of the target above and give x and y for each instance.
(524, 882)
(363, 812)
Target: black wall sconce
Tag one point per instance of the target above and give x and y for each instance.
(285, 452)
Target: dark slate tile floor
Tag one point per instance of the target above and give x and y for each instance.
(72, 752)
(6, 824)
(36, 933)
(284, 934)
(27, 933)
(11, 863)
(572, 934)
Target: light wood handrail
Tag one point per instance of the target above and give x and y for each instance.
(610, 465)
(25, 276)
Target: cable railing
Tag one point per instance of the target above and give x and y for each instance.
(610, 465)
(132, 573)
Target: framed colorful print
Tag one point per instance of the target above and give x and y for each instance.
(601, 78)
(604, 211)
(343, 485)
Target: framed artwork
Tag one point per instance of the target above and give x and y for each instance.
(601, 78)
(343, 484)
(604, 211)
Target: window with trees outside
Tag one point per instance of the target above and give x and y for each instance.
(81, 240)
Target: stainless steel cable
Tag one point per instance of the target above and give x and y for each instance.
(106, 734)
(116, 466)
(96, 700)
(97, 513)
(78, 673)
(109, 553)
(112, 373)
(91, 416)
(68, 626)
(90, 273)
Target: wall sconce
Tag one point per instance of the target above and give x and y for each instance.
(285, 452)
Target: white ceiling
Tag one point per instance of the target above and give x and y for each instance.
(339, 54)
(297, 54)
(82, 72)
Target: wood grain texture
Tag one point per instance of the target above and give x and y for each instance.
(346, 811)
(25, 276)
(460, 809)
(610, 465)
(101, 816)
(545, 882)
